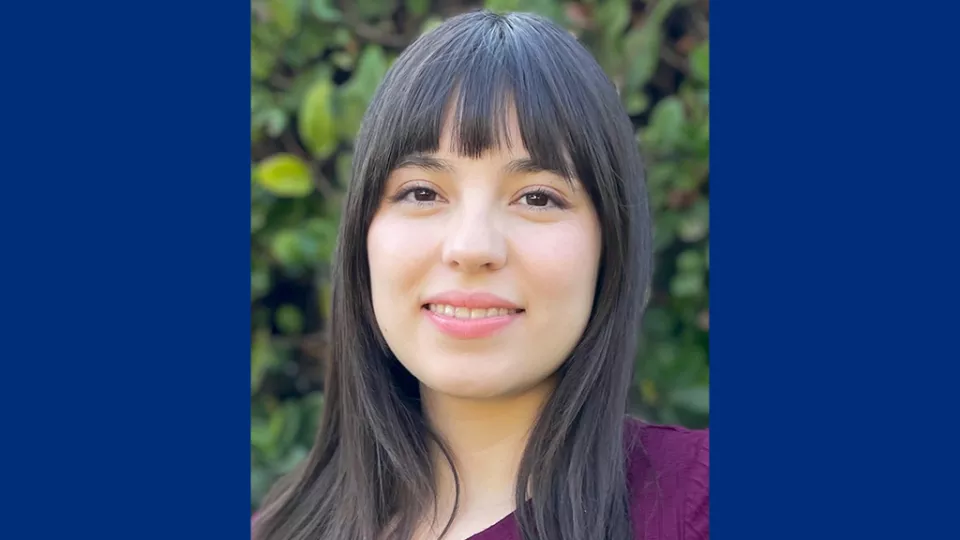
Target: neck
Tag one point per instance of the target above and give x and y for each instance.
(486, 440)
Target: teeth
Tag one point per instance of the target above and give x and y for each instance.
(467, 313)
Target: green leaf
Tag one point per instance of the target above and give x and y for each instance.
(694, 399)
(690, 261)
(289, 319)
(275, 430)
(259, 283)
(286, 15)
(355, 96)
(325, 11)
(260, 437)
(695, 223)
(643, 47)
(292, 99)
(686, 285)
(667, 120)
(351, 107)
(313, 44)
(637, 102)
(261, 63)
(418, 8)
(286, 248)
(612, 17)
(258, 218)
(660, 11)
(273, 121)
(342, 37)
(371, 67)
(342, 60)
(344, 168)
(285, 175)
(700, 62)
(291, 424)
(316, 121)
(320, 238)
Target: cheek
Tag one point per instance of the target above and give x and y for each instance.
(399, 253)
(561, 261)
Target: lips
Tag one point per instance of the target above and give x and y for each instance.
(471, 315)
(472, 300)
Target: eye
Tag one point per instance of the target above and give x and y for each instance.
(422, 194)
(417, 195)
(536, 199)
(541, 199)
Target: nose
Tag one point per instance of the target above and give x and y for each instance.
(475, 243)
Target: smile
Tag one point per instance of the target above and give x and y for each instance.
(466, 323)
(456, 312)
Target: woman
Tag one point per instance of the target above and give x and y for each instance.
(494, 257)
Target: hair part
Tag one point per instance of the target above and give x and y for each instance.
(370, 471)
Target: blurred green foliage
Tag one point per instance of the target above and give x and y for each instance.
(314, 67)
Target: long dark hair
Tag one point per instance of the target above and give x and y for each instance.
(369, 472)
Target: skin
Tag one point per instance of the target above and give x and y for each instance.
(473, 225)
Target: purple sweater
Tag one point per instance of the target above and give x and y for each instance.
(669, 482)
(670, 489)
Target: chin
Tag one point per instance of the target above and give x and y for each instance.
(475, 379)
(467, 378)
(467, 392)
(465, 384)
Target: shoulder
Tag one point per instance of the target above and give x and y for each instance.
(667, 448)
(669, 480)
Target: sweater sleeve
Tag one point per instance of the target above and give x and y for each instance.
(697, 497)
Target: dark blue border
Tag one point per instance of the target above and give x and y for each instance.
(124, 212)
(125, 216)
(834, 293)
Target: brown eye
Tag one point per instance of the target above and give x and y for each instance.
(418, 195)
(424, 195)
(537, 199)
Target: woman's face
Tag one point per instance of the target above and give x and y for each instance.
(483, 271)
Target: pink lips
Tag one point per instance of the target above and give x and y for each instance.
(471, 328)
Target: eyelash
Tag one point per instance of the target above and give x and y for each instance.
(557, 201)
(404, 193)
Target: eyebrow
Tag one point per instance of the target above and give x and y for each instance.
(524, 165)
